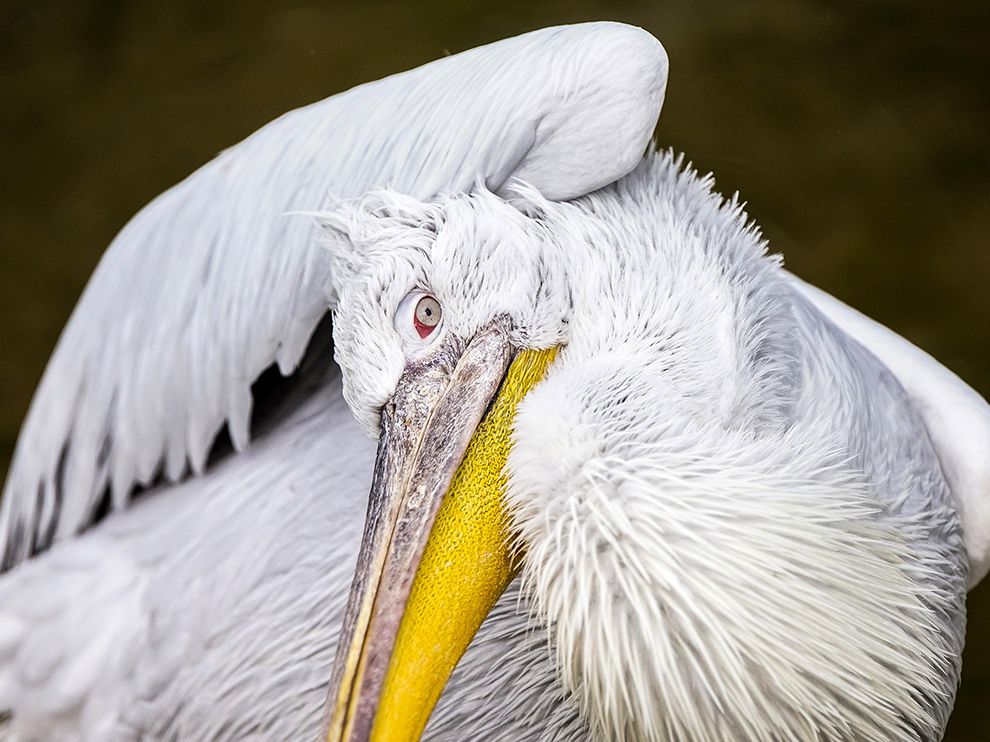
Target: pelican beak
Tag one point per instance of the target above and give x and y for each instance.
(436, 552)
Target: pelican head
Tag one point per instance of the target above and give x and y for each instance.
(607, 395)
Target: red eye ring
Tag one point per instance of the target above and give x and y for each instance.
(426, 316)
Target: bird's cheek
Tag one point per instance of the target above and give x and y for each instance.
(369, 385)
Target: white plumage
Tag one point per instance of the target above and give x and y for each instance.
(211, 282)
(736, 521)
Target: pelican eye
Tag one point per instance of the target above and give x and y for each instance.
(418, 319)
(426, 316)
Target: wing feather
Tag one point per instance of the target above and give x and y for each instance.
(212, 282)
(957, 418)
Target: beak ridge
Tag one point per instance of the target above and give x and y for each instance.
(425, 431)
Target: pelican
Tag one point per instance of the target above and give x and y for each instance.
(632, 479)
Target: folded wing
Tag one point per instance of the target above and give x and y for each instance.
(215, 280)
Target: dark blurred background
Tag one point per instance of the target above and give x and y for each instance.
(857, 132)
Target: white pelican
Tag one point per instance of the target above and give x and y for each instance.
(741, 510)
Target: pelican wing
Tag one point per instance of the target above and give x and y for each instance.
(214, 280)
(957, 418)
